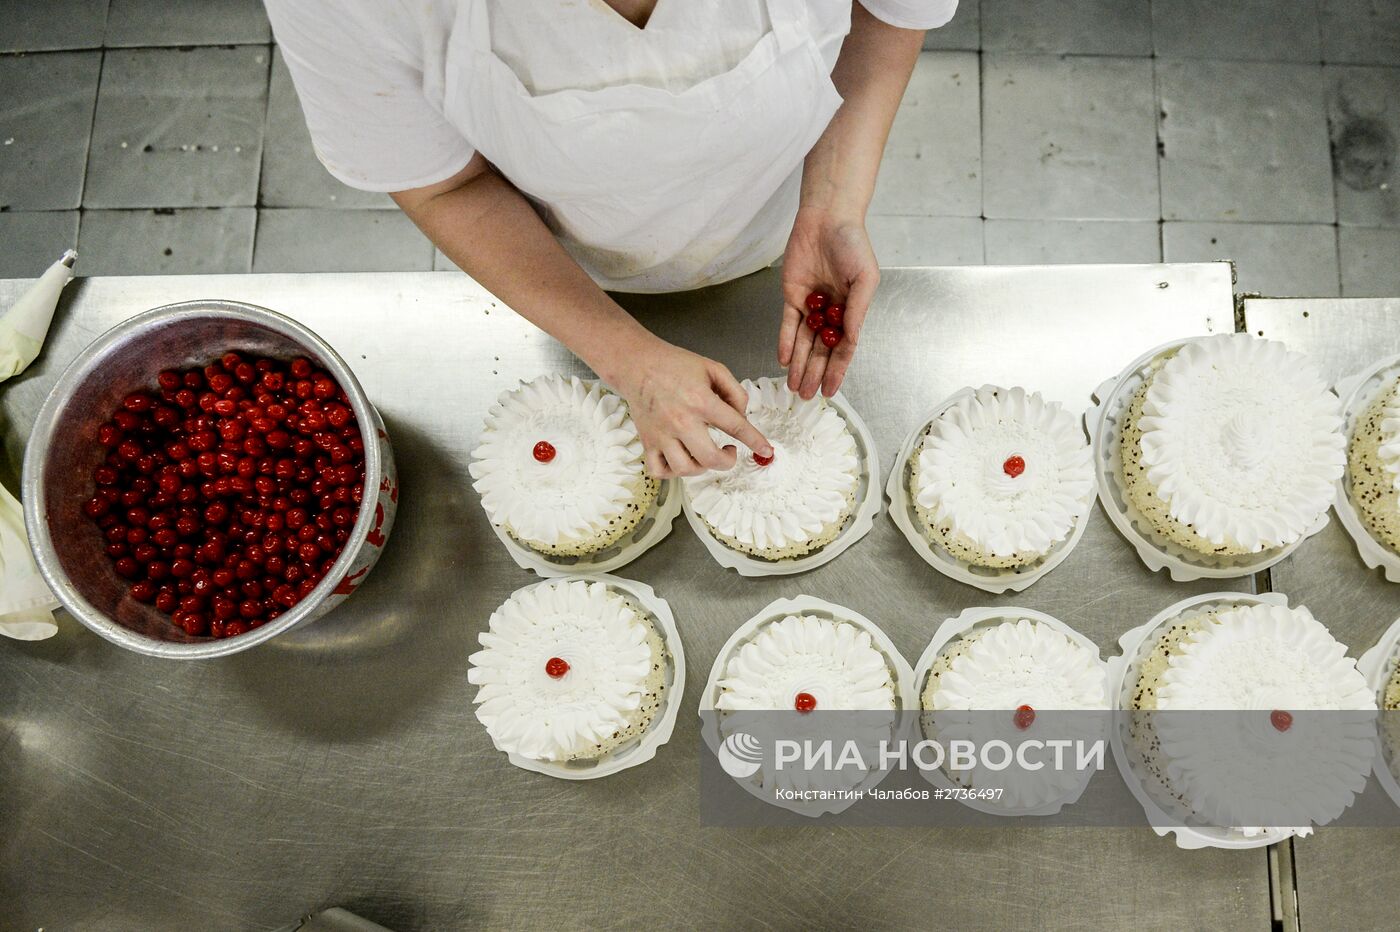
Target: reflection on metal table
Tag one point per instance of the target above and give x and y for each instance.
(342, 764)
(1339, 872)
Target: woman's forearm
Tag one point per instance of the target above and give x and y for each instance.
(871, 75)
(674, 396)
(487, 227)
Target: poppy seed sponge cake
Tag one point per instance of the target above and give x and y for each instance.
(1232, 445)
(1233, 661)
(794, 503)
(800, 664)
(1373, 465)
(569, 670)
(1000, 477)
(1005, 682)
(559, 467)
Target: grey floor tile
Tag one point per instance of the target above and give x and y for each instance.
(933, 160)
(304, 240)
(1370, 262)
(1275, 259)
(186, 22)
(1068, 138)
(164, 242)
(1053, 242)
(962, 32)
(46, 106)
(291, 174)
(31, 26)
(33, 240)
(1090, 27)
(1363, 110)
(1244, 142)
(926, 240)
(1238, 30)
(443, 264)
(1361, 32)
(178, 128)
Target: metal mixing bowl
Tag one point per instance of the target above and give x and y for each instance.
(63, 452)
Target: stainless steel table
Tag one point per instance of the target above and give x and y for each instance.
(342, 764)
(1339, 872)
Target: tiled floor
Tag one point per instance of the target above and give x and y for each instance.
(165, 136)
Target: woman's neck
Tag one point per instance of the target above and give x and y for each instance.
(636, 12)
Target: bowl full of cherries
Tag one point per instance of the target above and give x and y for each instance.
(204, 477)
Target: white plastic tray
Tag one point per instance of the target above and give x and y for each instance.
(987, 579)
(644, 748)
(1357, 392)
(957, 627)
(1123, 677)
(1104, 422)
(776, 611)
(1377, 665)
(654, 526)
(858, 524)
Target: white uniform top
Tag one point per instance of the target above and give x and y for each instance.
(663, 158)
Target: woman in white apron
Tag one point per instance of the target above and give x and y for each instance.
(557, 148)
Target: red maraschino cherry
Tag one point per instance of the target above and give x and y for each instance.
(804, 702)
(544, 451)
(1025, 717)
(556, 667)
(1014, 466)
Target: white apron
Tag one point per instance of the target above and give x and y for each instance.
(612, 170)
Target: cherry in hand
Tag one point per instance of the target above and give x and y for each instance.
(826, 319)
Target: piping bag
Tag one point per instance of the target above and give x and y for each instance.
(26, 604)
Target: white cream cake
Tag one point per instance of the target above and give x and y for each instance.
(1251, 658)
(800, 500)
(1001, 477)
(1019, 667)
(1232, 446)
(559, 467)
(1373, 466)
(806, 663)
(569, 670)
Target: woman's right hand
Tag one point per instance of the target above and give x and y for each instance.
(675, 397)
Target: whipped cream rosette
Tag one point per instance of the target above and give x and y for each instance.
(1232, 445)
(1232, 687)
(571, 670)
(794, 504)
(997, 675)
(1373, 465)
(559, 467)
(1001, 477)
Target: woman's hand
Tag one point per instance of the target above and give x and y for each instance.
(675, 397)
(831, 253)
(829, 250)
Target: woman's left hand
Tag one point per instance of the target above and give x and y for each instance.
(828, 253)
